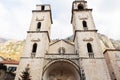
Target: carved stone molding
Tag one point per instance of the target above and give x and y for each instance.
(35, 40)
(53, 57)
(89, 39)
(83, 17)
(40, 19)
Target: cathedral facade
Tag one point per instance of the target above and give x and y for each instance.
(82, 59)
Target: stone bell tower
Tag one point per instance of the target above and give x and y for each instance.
(92, 61)
(37, 43)
(81, 59)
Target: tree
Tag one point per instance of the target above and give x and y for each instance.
(25, 74)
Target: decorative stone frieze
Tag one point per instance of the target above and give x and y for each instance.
(83, 17)
(35, 40)
(88, 39)
(62, 57)
(40, 19)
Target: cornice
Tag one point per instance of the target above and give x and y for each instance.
(82, 31)
(110, 50)
(46, 32)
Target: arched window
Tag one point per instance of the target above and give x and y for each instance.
(85, 25)
(61, 50)
(42, 7)
(90, 51)
(80, 7)
(34, 48)
(38, 25)
(89, 47)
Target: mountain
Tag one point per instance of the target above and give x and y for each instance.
(12, 49)
(106, 43)
(116, 43)
(2, 40)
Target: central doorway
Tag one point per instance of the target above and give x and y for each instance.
(61, 70)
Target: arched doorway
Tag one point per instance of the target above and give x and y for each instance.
(61, 70)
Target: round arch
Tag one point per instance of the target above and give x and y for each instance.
(61, 70)
(80, 7)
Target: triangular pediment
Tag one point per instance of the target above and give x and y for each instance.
(63, 41)
(56, 45)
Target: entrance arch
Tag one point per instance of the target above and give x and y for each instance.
(61, 70)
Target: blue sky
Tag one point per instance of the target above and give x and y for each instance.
(15, 17)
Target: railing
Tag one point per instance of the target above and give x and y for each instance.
(33, 55)
(91, 55)
(85, 28)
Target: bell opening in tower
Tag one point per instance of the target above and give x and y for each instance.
(80, 7)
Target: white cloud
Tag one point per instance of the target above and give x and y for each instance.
(60, 31)
(106, 17)
(15, 17)
(109, 24)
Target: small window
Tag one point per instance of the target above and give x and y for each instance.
(85, 25)
(80, 7)
(34, 48)
(42, 7)
(38, 25)
(89, 47)
(11, 69)
(90, 51)
(61, 50)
